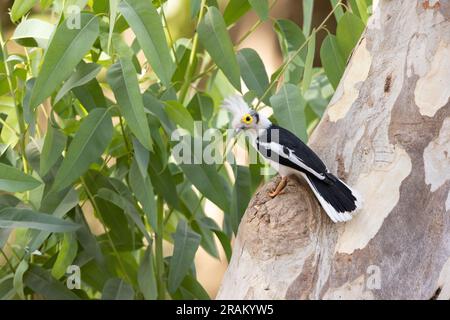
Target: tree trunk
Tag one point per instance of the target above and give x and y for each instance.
(387, 133)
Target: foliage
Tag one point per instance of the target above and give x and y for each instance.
(86, 172)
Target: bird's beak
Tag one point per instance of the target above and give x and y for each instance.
(237, 130)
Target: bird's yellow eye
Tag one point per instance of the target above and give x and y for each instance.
(247, 119)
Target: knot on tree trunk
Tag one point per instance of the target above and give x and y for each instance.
(273, 227)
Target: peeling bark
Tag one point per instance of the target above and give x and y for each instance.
(386, 132)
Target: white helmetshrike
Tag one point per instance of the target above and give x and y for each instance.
(287, 154)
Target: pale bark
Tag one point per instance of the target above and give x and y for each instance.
(387, 133)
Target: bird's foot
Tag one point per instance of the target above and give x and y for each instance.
(281, 185)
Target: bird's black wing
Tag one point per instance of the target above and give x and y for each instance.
(291, 151)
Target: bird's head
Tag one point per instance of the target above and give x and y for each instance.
(244, 118)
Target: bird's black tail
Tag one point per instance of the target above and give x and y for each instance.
(338, 200)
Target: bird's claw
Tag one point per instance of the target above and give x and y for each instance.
(279, 188)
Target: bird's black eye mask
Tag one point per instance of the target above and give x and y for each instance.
(256, 116)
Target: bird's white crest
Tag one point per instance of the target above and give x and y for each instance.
(237, 106)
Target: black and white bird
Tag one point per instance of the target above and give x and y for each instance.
(288, 155)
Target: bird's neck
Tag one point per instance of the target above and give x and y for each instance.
(264, 123)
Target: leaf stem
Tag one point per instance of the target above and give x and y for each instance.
(113, 247)
(169, 34)
(188, 75)
(159, 254)
(292, 57)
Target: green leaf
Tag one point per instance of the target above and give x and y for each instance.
(88, 241)
(67, 47)
(261, 7)
(146, 24)
(90, 141)
(180, 115)
(117, 289)
(225, 242)
(123, 81)
(33, 33)
(7, 291)
(241, 195)
(235, 10)
(194, 6)
(186, 243)
(142, 187)
(348, 32)
(163, 182)
(90, 95)
(332, 60)
(84, 73)
(146, 276)
(66, 255)
(339, 12)
(26, 218)
(289, 110)
(113, 8)
(20, 8)
(58, 204)
(308, 7)
(126, 206)
(214, 36)
(142, 156)
(14, 180)
(308, 71)
(206, 178)
(362, 9)
(201, 107)
(253, 72)
(18, 278)
(291, 38)
(195, 288)
(40, 281)
(54, 144)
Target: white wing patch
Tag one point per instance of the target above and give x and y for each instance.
(279, 149)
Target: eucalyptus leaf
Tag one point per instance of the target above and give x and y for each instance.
(14, 180)
(235, 9)
(26, 218)
(123, 80)
(143, 189)
(18, 278)
(348, 32)
(146, 276)
(308, 7)
(66, 255)
(84, 73)
(87, 146)
(146, 24)
(332, 59)
(117, 289)
(253, 72)
(67, 47)
(214, 36)
(54, 144)
(20, 8)
(308, 71)
(40, 281)
(186, 243)
(289, 110)
(33, 33)
(261, 8)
